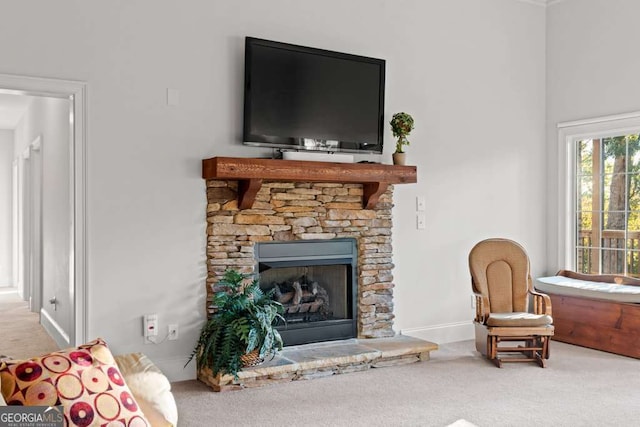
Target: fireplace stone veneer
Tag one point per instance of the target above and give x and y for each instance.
(286, 211)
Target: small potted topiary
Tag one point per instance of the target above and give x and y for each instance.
(240, 332)
(401, 126)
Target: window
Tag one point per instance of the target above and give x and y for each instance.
(607, 219)
(599, 195)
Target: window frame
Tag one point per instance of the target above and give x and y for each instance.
(569, 133)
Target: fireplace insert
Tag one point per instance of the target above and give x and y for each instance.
(315, 281)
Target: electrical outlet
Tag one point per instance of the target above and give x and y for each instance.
(421, 222)
(150, 325)
(173, 332)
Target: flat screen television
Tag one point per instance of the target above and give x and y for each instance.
(302, 98)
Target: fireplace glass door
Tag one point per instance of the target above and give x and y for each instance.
(315, 283)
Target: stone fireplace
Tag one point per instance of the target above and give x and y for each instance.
(259, 201)
(287, 211)
(319, 235)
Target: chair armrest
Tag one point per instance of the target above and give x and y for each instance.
(541, 303)
(482, 308)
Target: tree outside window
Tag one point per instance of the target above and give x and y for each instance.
(608, 205)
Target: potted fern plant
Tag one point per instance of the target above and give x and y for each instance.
(240, 332)
(401, 126)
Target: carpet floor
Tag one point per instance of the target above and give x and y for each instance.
(21, 335)
(579, 387)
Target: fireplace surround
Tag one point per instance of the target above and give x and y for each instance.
(254, 204)
(255, 201)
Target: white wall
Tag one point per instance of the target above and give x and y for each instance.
(475, 80)
(471, 72)
(592, 71)
(6, 213)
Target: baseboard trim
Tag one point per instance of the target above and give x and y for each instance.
(173, 368)
(54, 330)
(444, 333)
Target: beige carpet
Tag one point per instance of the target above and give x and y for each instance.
(21, 335)
(580, 387)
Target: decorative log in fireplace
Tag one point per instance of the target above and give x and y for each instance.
(374, 177)
(301, 298)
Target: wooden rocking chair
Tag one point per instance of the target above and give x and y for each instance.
(501, 282)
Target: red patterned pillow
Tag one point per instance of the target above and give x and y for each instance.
(84, 380)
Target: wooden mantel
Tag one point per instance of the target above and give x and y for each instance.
(249, 172)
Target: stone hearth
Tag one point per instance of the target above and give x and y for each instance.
(284, 211)
(320, 360)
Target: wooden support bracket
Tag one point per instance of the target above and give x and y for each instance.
(247, 190)
(250, 173)
(371, 192)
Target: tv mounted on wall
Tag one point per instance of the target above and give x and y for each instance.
(302, 98)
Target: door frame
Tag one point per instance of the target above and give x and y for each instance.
(15, 213)
(26, 229)
(76, 92)
(35, 218)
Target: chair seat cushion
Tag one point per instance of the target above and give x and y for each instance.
(518, 319)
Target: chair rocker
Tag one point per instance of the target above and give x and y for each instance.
(502, 286)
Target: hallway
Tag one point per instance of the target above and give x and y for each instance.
(21, 335)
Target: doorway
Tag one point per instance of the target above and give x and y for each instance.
(27, 211)
(48, 213)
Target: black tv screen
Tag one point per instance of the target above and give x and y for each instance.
(304, 98)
